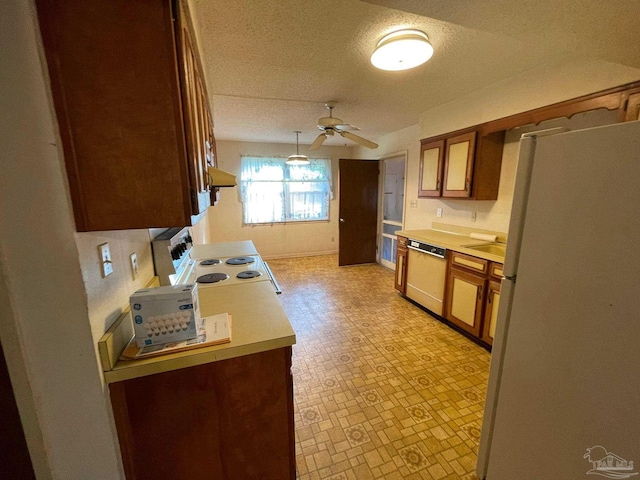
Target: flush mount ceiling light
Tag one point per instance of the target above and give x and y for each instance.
(297, 159)
(402, 50)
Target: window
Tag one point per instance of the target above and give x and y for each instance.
(273, 191)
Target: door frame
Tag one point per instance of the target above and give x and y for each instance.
(382, 159)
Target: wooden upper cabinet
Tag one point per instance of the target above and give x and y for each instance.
(464, 166)
(460, 152)
(197, 117)
(431, 167)
(124, 78)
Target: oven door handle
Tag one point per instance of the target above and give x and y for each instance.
(272, 278)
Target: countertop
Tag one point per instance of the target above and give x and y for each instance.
(258, 323)
(223, 250)
(451, 241)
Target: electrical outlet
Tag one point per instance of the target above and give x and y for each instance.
(135, 269)
(105, 259)
(473, 216)
(413, 204)
(439, 212)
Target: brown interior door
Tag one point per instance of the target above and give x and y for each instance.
(358, 211)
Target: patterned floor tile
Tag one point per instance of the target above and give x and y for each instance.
(382, 390)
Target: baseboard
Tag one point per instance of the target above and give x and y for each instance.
(297, 255)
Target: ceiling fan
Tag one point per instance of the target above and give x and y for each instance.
(330, 125)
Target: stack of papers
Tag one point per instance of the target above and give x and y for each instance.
(213, 330)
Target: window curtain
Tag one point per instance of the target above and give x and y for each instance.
(273, 191)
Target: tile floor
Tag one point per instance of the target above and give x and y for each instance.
(382, 390)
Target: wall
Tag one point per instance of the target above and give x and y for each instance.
(274, 240)
(548, 84)
(45, 329)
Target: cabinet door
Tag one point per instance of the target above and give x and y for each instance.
(431, 166)
(227, 419)
(401, 265)
(491, 312)
(459, 157)
(195, 107)
(117, 100)
(465, 298)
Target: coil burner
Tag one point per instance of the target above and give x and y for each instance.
(212, 278)
(240, 261)
(210, 261)
(248, 274)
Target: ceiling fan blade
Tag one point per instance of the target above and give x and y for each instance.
(318, 141)
(362, 141)
(346, 126)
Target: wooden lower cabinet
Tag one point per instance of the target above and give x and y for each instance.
(231, 419)
(472, 295)
(465, 299)
(491, 312)
(401, 265)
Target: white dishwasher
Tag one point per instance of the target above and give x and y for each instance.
(426, 275)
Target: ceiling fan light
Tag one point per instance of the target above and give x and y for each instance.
(402, 50)
(297, 159)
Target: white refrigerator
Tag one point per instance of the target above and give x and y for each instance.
(563, 398)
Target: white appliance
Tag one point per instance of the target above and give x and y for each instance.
(563, 399)
(426, 275)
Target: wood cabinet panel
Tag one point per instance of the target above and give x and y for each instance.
(460, 154)
(469, 262)
(464, 300)
(472, 295)
(496, 271)
(431, 168)
(228, 419)
(401, 265)
(114, 68)
(491, 312)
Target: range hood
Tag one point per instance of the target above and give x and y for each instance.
(220, 178)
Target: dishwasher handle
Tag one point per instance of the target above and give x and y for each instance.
(427, 248)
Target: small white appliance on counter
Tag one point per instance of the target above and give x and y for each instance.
(563, 398)
(165, 314)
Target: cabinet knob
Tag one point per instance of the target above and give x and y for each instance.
(342, 220)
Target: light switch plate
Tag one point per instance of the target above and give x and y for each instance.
(135, 269)
(105, 259)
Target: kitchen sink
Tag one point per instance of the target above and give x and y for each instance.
(492, 248)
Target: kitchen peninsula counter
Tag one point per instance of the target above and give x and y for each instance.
(223, 411)
(258, 323)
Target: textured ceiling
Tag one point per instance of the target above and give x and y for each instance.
(271, 65)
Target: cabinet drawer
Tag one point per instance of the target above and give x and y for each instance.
(467, 262)
(496, 270)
